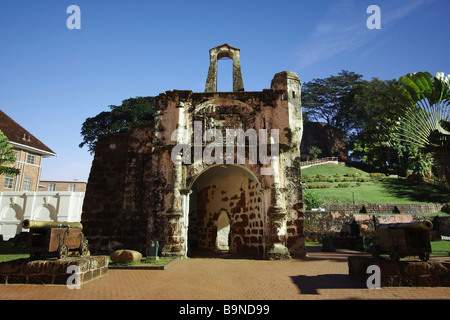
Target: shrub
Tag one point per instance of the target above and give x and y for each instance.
(352, 174)
(446, 208)
(311, 200)
(318, 186)
(414, 178)
(343, 185)
(377, 175)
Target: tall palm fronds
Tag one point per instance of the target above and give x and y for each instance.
(426, 121)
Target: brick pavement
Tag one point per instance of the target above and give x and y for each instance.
(320, 276)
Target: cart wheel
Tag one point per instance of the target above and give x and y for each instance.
(393, 254)
(424, 257)
(84, 248)
(35, 256)
(63, 251)
(375, 252)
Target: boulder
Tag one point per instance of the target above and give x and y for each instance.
(126, 256)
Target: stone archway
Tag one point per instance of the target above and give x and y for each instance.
(226, 212)
(223, 232)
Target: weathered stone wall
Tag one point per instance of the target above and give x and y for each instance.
(103, 203)
(318, 224)
(125, 193)
(240, 197)
(24, 271)
(137, 192)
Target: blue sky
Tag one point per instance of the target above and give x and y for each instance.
(53, 78)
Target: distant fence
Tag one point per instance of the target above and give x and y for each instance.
(374, 208)
(306, 164)
(41, 206)
(319, 224)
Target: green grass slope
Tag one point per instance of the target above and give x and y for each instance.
(386, 190)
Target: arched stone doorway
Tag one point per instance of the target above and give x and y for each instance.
(226, 212)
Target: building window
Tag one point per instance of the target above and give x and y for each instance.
(51, 187)
(31, 158)
(71, 187)
(27, 184)
(9, 182)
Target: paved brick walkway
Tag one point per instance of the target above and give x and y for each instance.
(320, 276)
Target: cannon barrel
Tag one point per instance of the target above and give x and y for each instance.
(28, 224)
(424, 225)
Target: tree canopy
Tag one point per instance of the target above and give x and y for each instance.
(7, 156)
(133, 111)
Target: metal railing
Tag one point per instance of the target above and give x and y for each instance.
(318, 161)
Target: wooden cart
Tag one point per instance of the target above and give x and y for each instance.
(57, 241)
(403, 239)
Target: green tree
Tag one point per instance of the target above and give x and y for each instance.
(315, 151)
(133, 111)
(377, 106)
(426, 122)
(324, 100)
(7, 156)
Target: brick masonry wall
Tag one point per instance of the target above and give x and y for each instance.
(125, 193)
(372, 208)
(102, 208)
(317, 224)
(402, 273)
(26, 271)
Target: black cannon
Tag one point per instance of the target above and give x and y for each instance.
(55, 238)
(400, 240)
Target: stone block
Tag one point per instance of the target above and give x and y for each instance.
(124, 256)
(25, 271)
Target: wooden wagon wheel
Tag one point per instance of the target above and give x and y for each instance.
(394, 255)
(84, 248)
(375, 251)
(424, 256)
(63, 251)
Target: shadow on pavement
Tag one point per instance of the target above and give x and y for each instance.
(310, 284)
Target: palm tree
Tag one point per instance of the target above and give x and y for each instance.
(315, 151)
(426, 122)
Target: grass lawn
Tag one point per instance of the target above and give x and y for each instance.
(393, 190)
(440, 248)
(8, 252)
(330, 169)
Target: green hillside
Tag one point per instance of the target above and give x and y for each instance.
(330, 169)
(339, 184)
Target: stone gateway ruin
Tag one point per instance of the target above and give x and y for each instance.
(214, 171)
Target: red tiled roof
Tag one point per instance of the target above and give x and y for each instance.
(16, 133)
